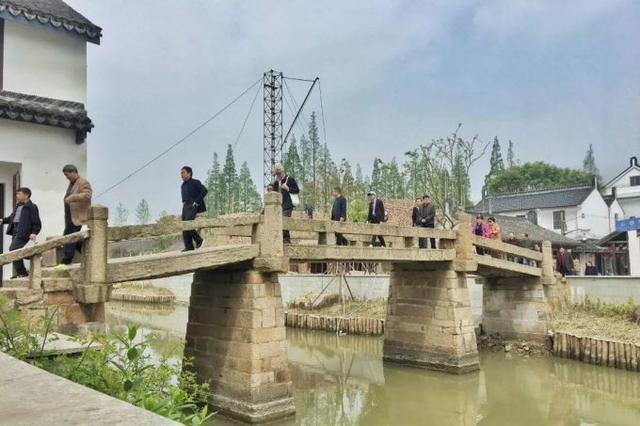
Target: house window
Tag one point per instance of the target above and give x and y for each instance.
(558, 219)
(635, 180)
(532, 216)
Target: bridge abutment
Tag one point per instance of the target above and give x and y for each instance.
(237, 339)
(429, 321)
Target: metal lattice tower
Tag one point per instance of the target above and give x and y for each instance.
(272, 87)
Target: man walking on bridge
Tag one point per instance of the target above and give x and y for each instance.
(376, 215)
(339, 214)
(288, 187)
(426, 219)
(193, 193)
(77, 201)
(23, 225)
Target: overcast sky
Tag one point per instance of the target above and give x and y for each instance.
(553, 76)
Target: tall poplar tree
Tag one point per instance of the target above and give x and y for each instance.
(215, 196)
(143, 212)
(511, 157)
(230, 182)
(589, 164)
(122, 215)
(249, 198)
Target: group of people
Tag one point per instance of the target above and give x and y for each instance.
(24, 223)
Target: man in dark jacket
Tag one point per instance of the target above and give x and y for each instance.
(564, 262)
(339, 213)
(193, 193)
(414, 212)
(287, 186)
(23, 225)
(376, 215)
(426, 219)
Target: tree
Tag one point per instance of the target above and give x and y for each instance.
(496, 162)
(122, 215)
(214, 198)
(249, 197)
(511, 158)
(143, 212)
(376, 175)
(535, 176)
(589, 165)
(163, 214)
(292, 162)
(229, 183)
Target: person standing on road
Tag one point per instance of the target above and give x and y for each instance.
(426, 219)
(376, 215)
(23, 225)
(339, 213)
(193, 193)
(77, 202)
(288, 187)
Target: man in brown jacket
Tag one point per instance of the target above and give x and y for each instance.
(77, 201)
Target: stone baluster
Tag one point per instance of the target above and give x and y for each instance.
(95, 288)
(268, 234)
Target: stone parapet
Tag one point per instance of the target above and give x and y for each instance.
(237, 339)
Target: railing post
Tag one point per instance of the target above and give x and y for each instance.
(95, 288)
(465, 255)
(35, 272)
(268, 235)
(547, 260)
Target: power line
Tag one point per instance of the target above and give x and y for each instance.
(295, 104)
(246, 118)
(179, 141)
(298, 79)
(324, 124)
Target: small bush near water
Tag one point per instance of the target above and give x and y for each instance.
(123, 368)
(627, 311)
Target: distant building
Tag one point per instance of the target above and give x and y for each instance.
(43, 89)
(580, 212)
(625, 187)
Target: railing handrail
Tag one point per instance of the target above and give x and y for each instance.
(136, 232)
(506, 248)
(41, 248)
(353, 228)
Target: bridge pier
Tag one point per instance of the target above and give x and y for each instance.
(237, 339)
(429, 322)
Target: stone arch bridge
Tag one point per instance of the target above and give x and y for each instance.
(236, 334)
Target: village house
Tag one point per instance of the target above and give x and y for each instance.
(579, 212)
(625, 187)
(43, 92)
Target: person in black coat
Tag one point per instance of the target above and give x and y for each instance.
(426, 219)
(193, 193)
(376, 215)
(339, 214)
(414, 212)
(287, 186)
(23, 225)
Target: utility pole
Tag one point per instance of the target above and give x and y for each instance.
(272, 119)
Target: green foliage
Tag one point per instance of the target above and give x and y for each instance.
(143, 212)
(496, 162)
(608, 310)
(511, 157)
(123, 367)
(292, 162)
(248, 196)
(214, 200)
(531, 176)
(229, 181)
(122, 215)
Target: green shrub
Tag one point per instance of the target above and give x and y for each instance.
(603, 309)
(123, 368)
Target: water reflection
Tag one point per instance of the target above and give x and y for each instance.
(343, 381)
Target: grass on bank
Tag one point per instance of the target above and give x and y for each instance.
(595, 318)
(123, 368)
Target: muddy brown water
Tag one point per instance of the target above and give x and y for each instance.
(341, 380)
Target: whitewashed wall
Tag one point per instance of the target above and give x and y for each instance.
(592, 218)
(634, 254)
(41, 152)
(44, 62)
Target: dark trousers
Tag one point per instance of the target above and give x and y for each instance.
(189, 237)
(341, 240)
(286, 236)
(377, 237)
(71, 249)
(18, 265)
(422, 242)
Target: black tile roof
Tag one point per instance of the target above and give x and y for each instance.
(550, 198)
(519, 225)
(47, 111)
(54, 13)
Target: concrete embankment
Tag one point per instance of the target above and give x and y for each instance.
(31, 396)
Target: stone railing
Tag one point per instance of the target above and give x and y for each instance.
(34, 254)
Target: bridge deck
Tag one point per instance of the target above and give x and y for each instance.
(177, 263)
(367, 254)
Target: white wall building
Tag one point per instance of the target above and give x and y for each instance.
(625, 187)
(578, 212)
(43, 121)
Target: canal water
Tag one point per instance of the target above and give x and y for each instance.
(341, 380)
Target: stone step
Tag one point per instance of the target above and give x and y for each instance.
(13, 293)
(15, 283)
(56, 273)
(57, 284)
